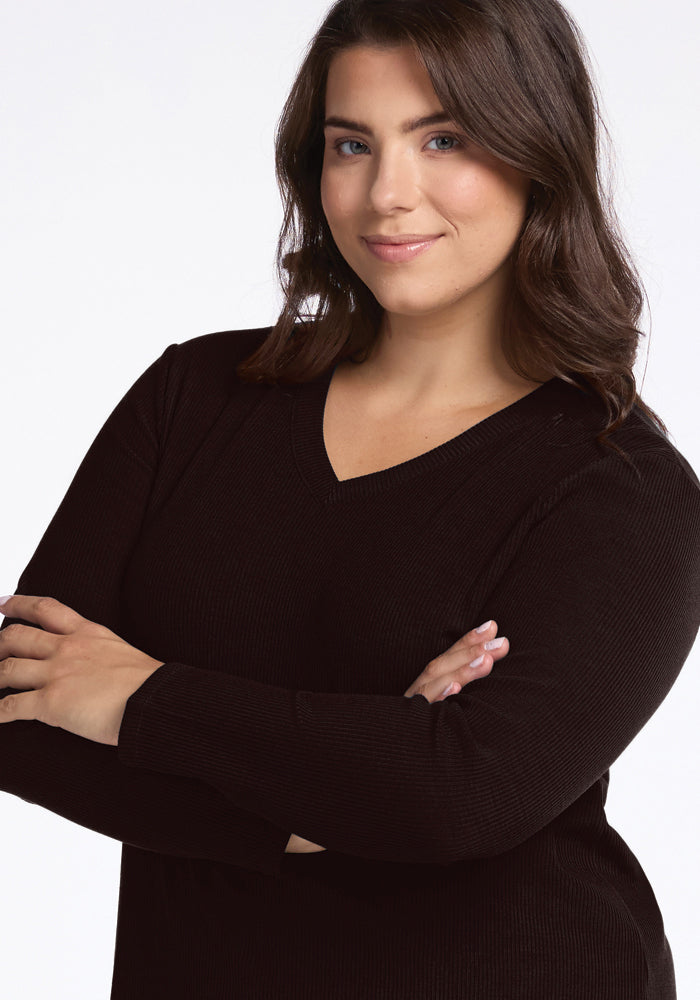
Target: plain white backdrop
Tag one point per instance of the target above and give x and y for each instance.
(140, 209)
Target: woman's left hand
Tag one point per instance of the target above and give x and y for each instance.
(77, 675)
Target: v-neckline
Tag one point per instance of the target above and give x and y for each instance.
(317, 470)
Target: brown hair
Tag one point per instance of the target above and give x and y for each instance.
(514, 75)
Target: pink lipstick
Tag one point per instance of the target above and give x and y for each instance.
(395, 249)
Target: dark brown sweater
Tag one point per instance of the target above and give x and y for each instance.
(468, 853)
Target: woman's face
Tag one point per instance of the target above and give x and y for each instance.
(385, 174)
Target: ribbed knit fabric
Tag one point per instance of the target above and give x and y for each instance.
(468, 854)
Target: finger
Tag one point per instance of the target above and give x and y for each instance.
(22, 674)
(483, 663)
(471, 657)
(460, 678)
(474, 637)
(439, 688)
(479, 667)
(498, 647)
(27, 641)
(45, 611)
(436, 683)
(20, 706)
(464, 652)
(467, 648)
(468, 645)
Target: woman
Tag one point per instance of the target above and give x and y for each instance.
(277, 529)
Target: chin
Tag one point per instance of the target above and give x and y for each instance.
(412, 303)
(408, 301)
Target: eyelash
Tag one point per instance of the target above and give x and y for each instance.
(352, 156)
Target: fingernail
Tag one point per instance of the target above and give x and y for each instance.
(448, 690)
(4, 599)
(482, 628)
(494, 643)
(477, 662)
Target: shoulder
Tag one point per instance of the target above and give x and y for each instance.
(213, 357)
(591, 506)
(202, 370)
(617, 499)
(647, 453)
(195, 382)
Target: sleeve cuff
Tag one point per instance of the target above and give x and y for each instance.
(150, 733)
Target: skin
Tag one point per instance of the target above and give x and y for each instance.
(438, 351)
(78, 675)
(75, 674)
(438, 348)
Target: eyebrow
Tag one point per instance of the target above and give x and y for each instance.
(412, 125)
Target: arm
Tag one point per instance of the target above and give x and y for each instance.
(81, 560)
(609, 565)
(78, 675)
(466, 660)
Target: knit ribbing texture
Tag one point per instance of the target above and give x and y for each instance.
(468, 856)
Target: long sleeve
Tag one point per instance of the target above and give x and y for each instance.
(81, 560)
(598, 589)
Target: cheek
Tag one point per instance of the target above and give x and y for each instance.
(469, 198)
(344, 196)
(460, 196)
(478, 196)
(336, 198)
(325, 189)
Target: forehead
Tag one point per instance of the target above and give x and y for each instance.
(373, 77)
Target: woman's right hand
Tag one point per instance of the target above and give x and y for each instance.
(471, 657)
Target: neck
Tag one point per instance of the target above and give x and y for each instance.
(447, 359)
(442, 364)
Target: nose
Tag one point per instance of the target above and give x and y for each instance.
(394, 182)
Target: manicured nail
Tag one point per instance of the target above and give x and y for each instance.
(477, 662)
(482, 628)
(494, 643)
(448, 690)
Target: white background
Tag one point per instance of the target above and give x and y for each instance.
(140, 209)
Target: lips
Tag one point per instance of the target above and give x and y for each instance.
(403, 238)
(396, 249)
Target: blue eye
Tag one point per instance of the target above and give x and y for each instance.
(350, 142)
(356, 148)
(442, 138)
